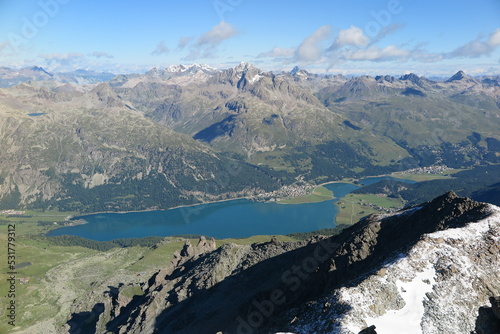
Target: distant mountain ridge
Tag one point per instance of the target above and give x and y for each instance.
(11, 77)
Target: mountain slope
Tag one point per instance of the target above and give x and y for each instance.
(366, 275)
(90, 152)
(415, 111)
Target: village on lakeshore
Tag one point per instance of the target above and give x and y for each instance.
(12, 212)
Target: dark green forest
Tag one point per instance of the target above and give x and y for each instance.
(71, 240)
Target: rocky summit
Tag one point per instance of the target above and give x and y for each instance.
(431, 268)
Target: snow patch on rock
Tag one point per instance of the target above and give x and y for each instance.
(436, 287)
(407, 320)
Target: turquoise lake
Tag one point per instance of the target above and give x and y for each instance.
(231, 219)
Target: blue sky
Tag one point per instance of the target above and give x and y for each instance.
(335, 36)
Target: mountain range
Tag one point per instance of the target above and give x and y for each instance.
(90, 141)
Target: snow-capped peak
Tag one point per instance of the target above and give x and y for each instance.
(192, 68)
(244, 66)
(176, 68)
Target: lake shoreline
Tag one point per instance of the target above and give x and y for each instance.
(238, 218)
(151, 209)
(251, 198)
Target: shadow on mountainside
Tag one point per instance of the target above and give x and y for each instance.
(487, 322)
(85, 322)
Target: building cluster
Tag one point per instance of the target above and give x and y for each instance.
(288, 191)
(370, 205)
(427, 170)
(12, 212)
(380, 208)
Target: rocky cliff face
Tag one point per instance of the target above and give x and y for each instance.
(427, 269)
(439, 285)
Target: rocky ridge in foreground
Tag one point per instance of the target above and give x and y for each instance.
(428, 269)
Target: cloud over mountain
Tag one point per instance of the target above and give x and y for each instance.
(478, 47)
(183, 42)
(278, 53)
(58, 60)
(353, 45)
(207, 43)
(375, 53)
(353, 36)
(99, 54)
(310, 49)
(161, 49)
(217, 34)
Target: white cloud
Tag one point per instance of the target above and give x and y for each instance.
(385, 31)
(474, 49)
(161, 49)
(183, 42)
(375, 53)
(352, 45)
(64, 61)
(353, 36)
(494, 39)
(61, 56)
(278, 53)
(477, 48)
(310, 49)
(206, 45)
(4, 45)
(426, 57)
(99, 54)
(217, 34)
